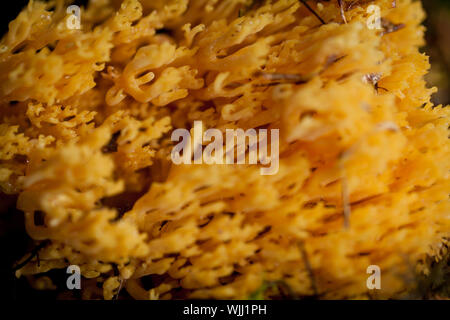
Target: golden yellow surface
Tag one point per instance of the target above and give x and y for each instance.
(86, 117)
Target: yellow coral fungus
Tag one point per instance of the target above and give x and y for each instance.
(85, 145)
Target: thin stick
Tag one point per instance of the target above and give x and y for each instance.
(116, 297)
(312, 11)
(33, 253)
(345, 201)
(345, 193)
(341, 7)
(308, 268)
(282, 76)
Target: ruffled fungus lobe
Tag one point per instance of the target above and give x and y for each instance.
(86, 117)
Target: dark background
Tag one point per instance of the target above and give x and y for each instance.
(438, 47)
(13, 239)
